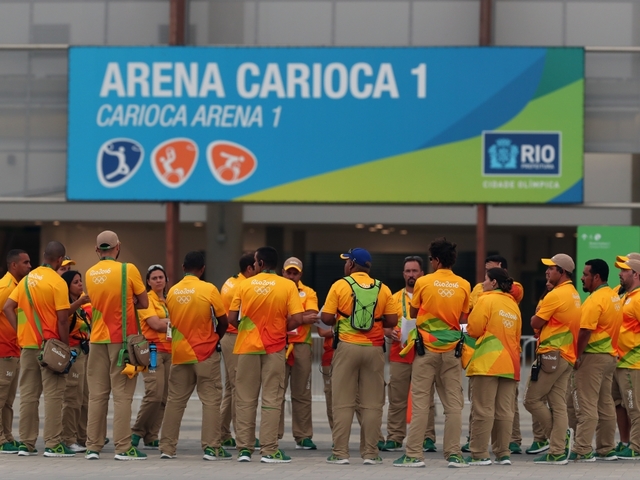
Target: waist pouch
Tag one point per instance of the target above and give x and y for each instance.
(549, 361)
(55, 355)
(138, 351)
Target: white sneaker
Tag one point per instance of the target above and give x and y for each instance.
(76, 447)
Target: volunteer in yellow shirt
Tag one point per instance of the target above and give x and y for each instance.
(358, 362)
(154, 322)
(440, 303)
(626, 391)
(595, 366)
(228, 408)
(558, 319)
(110, 284)
(495, 323)
(18, 265)
(495, 261)
(42, 302)
(619, 289)
(198, 321)
(270, 307)
(299, 358)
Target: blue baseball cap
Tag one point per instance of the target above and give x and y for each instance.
(359, 255)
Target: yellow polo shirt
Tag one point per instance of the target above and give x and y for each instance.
(602, 314)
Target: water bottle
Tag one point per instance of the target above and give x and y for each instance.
(153, 354)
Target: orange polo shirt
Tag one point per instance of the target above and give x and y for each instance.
(157, 308)
(228, 291)
(8, 337)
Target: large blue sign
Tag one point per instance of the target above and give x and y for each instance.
(343, 125)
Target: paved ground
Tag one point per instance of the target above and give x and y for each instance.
(307, 464)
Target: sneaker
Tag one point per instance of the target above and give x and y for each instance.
(465, 448)
(607, 457)
(278, 457)
(77, 448)
(166, 456)
(306, 444)
(628, 454)
(337, 460)
(106, 440)
(577, 457)
(372, 461)
(229, 443)
(244, 455)
(503, 460)
(568, 441)
(60, 450)
(135, 440)
(132, 454)
(478, 461)
(429, 445)
(92, 455)
(538, 447)
(621, 446)
(9, 447)
(381, 444)
(549, 459)
(257, 443)
(515, 448)
(219, 453)
(151, 446)
(23, 451)
(409, 462)
(390, 446)
(456, 461)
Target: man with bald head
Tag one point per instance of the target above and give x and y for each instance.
(41, 302)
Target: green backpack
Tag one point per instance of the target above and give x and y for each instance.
(365, 300)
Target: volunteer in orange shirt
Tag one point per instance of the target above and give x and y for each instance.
(270, 307)
(626, 391)
(80, 312)
(66, 265)
(440, 303)
(400, 368)
(495, 323)
(358, 363)
(110, 284)
(198, 321)
(154, 322)
(42, 314)
(18, 265)
(228, 407)
(558, 319)
(299, 359)
(591, 395)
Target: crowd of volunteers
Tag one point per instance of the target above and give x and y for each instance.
(80, 338)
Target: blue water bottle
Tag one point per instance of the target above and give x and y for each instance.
(153, 362)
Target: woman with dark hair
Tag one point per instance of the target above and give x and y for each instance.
(79, 331)
(496, 324)
(154, 322)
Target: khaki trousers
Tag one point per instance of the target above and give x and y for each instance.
(398, 396)
(84, 410)
(516, 435)
(298, 377)
(593, 403)
(34, 380)
(358, 380)
(104, 377)
(255, 373)
(73, 396)
(445, 371)
(156, 390)
(492, 406)
(9, 375)
(228, 407)
(628, 383)
(552, 418)
(183, 379)
(328, 398)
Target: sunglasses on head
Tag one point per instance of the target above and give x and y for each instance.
(153, 267)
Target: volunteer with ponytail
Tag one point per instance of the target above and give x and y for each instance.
(154, 322)
(495, 323)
